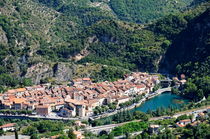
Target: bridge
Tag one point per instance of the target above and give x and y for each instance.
(158, 92)
(166, 82)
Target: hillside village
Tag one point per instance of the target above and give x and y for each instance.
(79, 98)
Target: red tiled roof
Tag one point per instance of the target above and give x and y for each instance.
(8, 125)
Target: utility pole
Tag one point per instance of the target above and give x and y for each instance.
(16, 134)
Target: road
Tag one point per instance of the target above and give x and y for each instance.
(191, 112)
(97, 129)
(132, 134)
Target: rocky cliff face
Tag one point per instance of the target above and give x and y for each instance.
(3, 37)
(63, 71)
(59, 72)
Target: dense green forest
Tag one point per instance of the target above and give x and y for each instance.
(142, 11)
(38, 35)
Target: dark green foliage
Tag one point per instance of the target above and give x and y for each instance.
(110, 73)
(71, 135)
(111, 136)
(189, 50)
(30, 131)
(182, 117)
(62, 137)
(196, 132)
(84, 15)
(140, 115)
(8, 80)
(44, 127)
(52, 3)
(13, 112)
(142, 11)
(34, 136)
(120, 117)
(170, 25)
(1, 132)
(197, 88)
(194, 69)
(26, 82)
(127, 48)
(129, 128)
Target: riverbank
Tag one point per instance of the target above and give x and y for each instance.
(133, 106)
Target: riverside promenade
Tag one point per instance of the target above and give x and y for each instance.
(158, 92)
(146, 97)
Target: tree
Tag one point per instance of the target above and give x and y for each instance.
(140, 115)
(175, 90)
(1, 132)
(34, 136)
(2, 89)
(71, 134)
(26, 82)
(127, 135)
(30, 131)
(182, 117)
(111, 136)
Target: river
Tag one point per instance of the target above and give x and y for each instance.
(164, 100)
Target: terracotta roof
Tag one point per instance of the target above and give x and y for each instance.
(18, 100)
(185, 120)
(54, 137)
(11, 91)
(141, 86)
(86, 79)
(180, 125)
(20, 90)
(8, 125)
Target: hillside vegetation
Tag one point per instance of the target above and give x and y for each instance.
(57, 40)
(142, 11)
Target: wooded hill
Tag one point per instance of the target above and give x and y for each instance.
(55, 41)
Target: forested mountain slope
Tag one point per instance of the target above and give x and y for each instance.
(143, 11)
(57, 40)
(190, 50)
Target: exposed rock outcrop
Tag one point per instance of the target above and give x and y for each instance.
(3, 37)
(63, 72)
(60, 72)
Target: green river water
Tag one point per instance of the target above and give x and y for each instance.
(164, 100)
